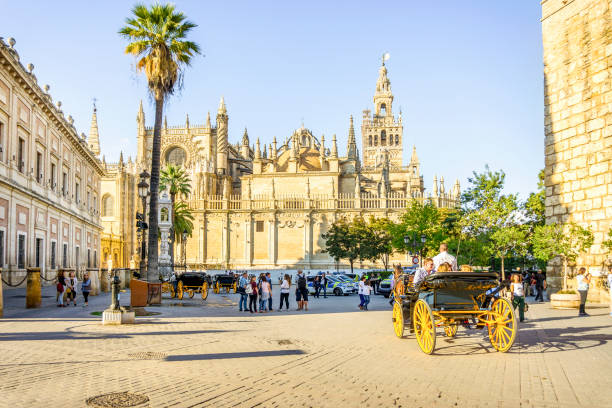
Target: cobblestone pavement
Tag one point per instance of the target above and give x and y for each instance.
(207, 354)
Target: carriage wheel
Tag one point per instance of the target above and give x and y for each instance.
(227, 289)
(216, 290)
(179, 291)
(503, 331)
(235, 287)
(191, 293)
(172, 292)
(398, 320)
(450, 330)
(204, 290)
(424, 327)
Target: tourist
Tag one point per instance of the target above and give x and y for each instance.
(532, 284)
(518, 295)
(264, 294)
(284, 292)
(269, 279)
(86, 288)
(360, 292)
(302, 291)
(324, 285)
(540, 286)
(582, 281)
(174, 282)
(443, 257)
(251, 290)
(422, 273)
(444, 267)
(367, 290)
(242, 285)
(71, 284)
(317, 286)
(61, 288)
(466, 268)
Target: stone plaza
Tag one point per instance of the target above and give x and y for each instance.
(207, 354)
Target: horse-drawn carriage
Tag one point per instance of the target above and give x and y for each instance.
(190, 283)
(226, 282)
(450, 300)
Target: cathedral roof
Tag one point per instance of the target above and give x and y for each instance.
(308, 160)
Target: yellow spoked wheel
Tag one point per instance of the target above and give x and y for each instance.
(172, 292)
(450, 330)
(398, 320)
(191, 293)
(216, 290)
(227, 289)
(179, 291)
(502, 330)
(424, 327)
(235, 287)
(204, 290)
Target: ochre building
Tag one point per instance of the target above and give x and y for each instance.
(49, 179)
(577, 37)
(266, 205)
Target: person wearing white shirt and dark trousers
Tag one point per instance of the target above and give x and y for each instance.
(443, 257)
(360, 292)
(582, 280)
(367, 290)
(518, 295)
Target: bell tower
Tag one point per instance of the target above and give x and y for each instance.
(381, 132)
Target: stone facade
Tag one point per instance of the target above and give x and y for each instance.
(49, 179)
(577, 38)
(265, 206)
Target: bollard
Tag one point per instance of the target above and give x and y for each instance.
(33, 294)
(1, 304)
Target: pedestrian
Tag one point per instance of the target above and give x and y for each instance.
(582, 280)
(367, 290)
(61, 288)
(532, 284)
(264, 294)
(174, 282)
(324, 285)
(443, 257)
(284, 292)
(302, 289)
(317, 286)
(360, 292)
(86, 288)
(269, 279)
(518, 295)
(71, 283)
(251, 290)
(540, 286)
(242, 285)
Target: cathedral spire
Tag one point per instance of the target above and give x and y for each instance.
(273, 150)
(187, 121)
(94, 137)
(208, 120)
(334, 149)
(222, 110)
(257, 150)
(414, 158)
(265, 152)
(435, 186)
(165, 122)
(245, 137)
(352, 144)
(141, 115)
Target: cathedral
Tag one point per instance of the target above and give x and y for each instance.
(266, 205)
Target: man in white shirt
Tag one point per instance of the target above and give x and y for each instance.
(443, 257)
(422, 273)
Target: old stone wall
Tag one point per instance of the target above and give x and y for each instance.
(577, 39)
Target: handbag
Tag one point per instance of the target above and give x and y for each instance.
(60, 287)
(68, 290)
(249, 290)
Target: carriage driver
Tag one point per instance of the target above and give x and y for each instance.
(444, 256)
(422, 273)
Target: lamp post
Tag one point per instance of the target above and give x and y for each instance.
(143, 192)
(416, 245)
(184, 237)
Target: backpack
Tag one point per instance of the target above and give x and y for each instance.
(301, 283)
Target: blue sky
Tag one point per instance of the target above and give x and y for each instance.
(467, 75)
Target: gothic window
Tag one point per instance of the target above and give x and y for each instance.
(370, 140)
(383, 138)
(107, 206)
(375, 140)
(176, 156)
(383, 109)
(397, 140)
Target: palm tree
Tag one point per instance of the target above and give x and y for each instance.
(176, 181)
(157, 38)
(182, 221)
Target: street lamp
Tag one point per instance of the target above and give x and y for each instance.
(184, 236)
(415, 245)
(143, 192)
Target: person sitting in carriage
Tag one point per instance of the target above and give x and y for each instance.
(422, 273)
(444, 257)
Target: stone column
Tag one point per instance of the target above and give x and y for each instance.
(33, 294)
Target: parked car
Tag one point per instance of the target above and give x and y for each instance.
(335, 286)
(385, 287)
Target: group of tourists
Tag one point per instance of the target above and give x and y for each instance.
(67, 287)
(365, 290)
(257, 291)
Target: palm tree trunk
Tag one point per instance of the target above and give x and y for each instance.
(173, 235)
(153, 269)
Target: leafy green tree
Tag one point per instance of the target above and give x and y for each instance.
(157, 38)
(343, 240)
(377, 243)
(419, 220)
(566, 241)
(177, 182)
(607, 244)
(510, 240)
(534, 206)
(182, 222)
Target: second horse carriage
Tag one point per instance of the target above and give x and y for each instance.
(227, 282)
(448, 300)
(189, 283)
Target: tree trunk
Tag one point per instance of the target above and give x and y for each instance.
(564, 273)
(153, 267)
(502, 269)
(173, 235)
(351, 262)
